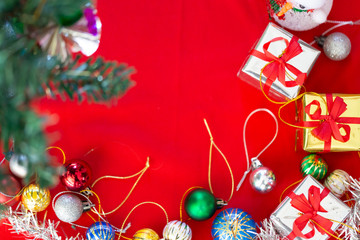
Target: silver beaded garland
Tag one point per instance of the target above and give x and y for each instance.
(177, 230)
(68, 208)
(337, 46)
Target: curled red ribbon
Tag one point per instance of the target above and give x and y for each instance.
(310, 208)
(276, 69)
(330, 125)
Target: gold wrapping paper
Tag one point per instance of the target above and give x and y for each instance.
(312, 143)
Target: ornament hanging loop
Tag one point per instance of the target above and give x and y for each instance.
(256, 167)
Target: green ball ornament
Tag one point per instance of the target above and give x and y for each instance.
(314, 165)
(200, 204)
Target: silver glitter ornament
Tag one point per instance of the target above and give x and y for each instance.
(337, 46)
(177, 230)
(262, 179)
(68, 208)
(18, 165)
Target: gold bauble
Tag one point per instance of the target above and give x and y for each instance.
(35, 199)
(146, 234)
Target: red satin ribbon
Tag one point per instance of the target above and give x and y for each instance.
(310, 208)
(277, 65)
(330, 125)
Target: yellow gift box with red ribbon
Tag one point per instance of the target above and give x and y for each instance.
(311, 211)
(332, 122)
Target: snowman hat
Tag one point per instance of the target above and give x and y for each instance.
(309, 4)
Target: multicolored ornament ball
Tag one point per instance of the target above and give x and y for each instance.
(146, 234)
(200, 204)
(77, 175)
(18, 165)
(35, 199)
(177, 230)
(9, 188)
(68, 208)
(335, 182)
(100, 230)
(314, 165)
(233, 224)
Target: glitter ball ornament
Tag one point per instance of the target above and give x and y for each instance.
(262, 179)
(68, 208)
(18, 165)
(9, 188)
(337, 46)
(100, 230)
(233, 224)
(35, 199)
(146, 234)
(177, 230)
(335, 182)
(200, 204)
(77, 175)
(314, 165)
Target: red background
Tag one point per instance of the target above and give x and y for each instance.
(186, 54)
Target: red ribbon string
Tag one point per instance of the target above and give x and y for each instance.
(276, 69)
(310, 208)
(329, 126)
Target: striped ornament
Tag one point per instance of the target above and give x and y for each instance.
(100, 231)
(335, 182)
(314, 165)
(146, 234)
(177, 230)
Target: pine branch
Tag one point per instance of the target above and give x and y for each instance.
(95, 80)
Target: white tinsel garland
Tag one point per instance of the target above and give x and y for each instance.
(353, 221)
(268, 231)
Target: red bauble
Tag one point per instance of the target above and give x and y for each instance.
(9, 188)
(77, 175)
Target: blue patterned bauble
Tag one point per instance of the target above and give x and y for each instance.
(233, 224)
(100, 231)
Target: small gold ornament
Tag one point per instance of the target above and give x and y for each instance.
(35, 199)
(335, 182)
(146, 234)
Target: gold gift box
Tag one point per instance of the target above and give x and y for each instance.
(313, 144)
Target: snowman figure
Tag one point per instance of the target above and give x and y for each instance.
(299, 15)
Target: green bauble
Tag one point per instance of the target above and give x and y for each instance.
(200, 204)
(314, 165)
(69, 18)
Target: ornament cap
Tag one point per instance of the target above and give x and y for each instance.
(320, 40)
(220, 203)
(255, 163)
(87, 206)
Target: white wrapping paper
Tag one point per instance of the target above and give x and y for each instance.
(284, 216)
(250, 72)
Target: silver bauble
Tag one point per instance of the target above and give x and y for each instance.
(18, 165)
(262, 179)
(68, 208)
(337, 46)
(177, 230)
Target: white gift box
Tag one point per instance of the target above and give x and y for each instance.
(285, 215)
(250, 72)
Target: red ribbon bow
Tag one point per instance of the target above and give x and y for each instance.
(276, 69)
(330, 125)
(310, 209)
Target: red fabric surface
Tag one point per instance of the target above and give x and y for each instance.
(187, 54)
